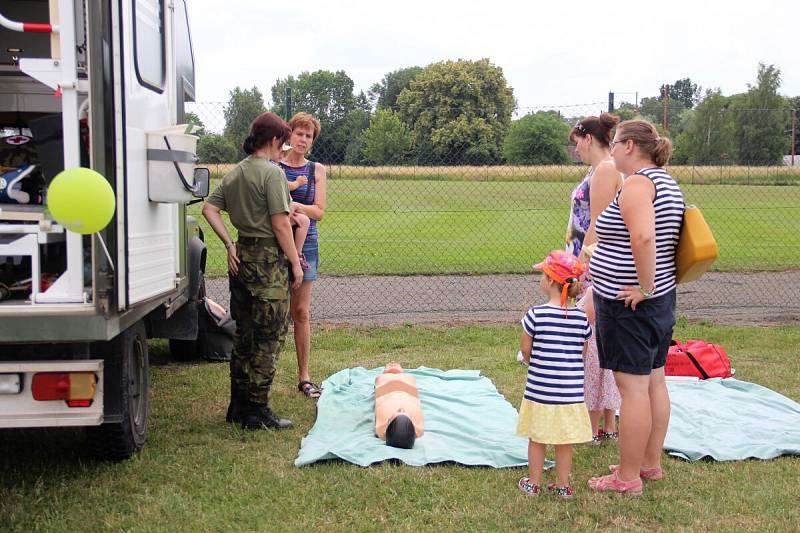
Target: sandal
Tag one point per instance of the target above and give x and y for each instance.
(650, 474)
(531, 489)
(598, 439)
(611, 435)
(309, 388)
(612, 483)
(303, 262)
(561, 492)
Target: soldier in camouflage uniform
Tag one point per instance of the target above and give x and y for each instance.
(256, 196)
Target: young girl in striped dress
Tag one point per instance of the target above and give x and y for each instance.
(553, 344)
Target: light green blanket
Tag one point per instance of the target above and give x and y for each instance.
(466, 421)
(729, 420)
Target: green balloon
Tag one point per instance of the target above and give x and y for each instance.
(81, 200)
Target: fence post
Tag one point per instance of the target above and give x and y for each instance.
(665, 100)
(794, 134)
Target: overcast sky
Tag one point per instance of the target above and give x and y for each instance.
(553, 53)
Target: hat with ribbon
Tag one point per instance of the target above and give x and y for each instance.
(564, 268)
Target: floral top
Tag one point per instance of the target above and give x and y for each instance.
(580, 215)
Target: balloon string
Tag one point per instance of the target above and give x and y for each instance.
(103, 245)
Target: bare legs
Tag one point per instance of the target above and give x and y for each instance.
(609, 420)
(301, 223)
(536, 453)
(644, 416)
(301, 315)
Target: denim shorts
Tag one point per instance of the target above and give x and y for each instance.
(634, 342)
(311, 251)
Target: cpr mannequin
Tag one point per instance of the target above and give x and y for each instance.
(398, 412)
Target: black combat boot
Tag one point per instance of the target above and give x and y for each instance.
(237, 409)
(262, 417)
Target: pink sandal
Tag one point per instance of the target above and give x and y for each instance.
(612, 483)
(650, 474)
(531, 489)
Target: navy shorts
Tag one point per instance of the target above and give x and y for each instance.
(311, 251)
(634, 342)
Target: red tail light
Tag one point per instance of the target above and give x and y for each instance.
(77, 388)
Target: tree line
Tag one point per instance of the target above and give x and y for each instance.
(460, 112)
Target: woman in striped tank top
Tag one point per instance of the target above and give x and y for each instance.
(308, 190)
(633, 278)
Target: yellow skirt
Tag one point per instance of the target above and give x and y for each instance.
(554, 424)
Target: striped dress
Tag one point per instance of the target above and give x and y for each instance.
(552, 409)
(612, 266)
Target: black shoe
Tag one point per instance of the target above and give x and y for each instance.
(263, 418)
(237, 409)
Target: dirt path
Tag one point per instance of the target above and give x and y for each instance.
(726, 298)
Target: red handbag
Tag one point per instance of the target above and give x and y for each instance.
(698, 359)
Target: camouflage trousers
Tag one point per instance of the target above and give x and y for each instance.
(260, 306)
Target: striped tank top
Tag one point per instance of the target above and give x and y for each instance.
(612, 265)
(302, 194)
(555, 372)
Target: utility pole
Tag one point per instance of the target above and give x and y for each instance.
(288, 102)
(665, 100)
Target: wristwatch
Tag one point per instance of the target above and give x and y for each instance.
(647, 294)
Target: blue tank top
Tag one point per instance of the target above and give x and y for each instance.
(304, 194)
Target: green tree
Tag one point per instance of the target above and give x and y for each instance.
(707, 138)
(626, 111)
(194, 120)
(537, 139)
(328, 96)
(243, 106)
(760, 119)
(683, 91)
(387, 140)
(458, 111)
(652, 109)
(213, 148)
(384, 93)
(794, 104)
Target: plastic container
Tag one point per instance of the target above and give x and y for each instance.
(697, 248)
(171, 155)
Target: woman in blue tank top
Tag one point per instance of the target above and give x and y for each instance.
(633, 279)
(308, 189)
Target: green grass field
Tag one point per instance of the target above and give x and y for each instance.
(381, 226)
(198, 474)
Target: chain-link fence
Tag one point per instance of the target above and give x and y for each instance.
(456, 241)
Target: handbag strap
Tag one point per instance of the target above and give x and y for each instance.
(696, 364)
(310, 185)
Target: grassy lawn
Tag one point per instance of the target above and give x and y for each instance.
(198, 474)
(381, 226)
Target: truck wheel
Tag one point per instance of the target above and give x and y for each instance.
(126, 387)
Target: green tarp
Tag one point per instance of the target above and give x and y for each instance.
(466, 421)
(728, 420)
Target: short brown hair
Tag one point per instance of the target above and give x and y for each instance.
(646, 137)
(598, 127)
(304, 120)
(263, 129)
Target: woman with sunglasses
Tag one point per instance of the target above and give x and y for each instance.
(633, 279)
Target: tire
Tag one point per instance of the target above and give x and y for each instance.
(126, 386)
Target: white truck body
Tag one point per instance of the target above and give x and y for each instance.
(99, 84)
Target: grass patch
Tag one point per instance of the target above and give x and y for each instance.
(198, 474)
(464, 227)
